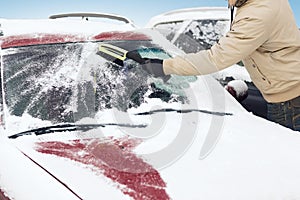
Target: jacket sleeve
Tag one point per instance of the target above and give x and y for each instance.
(246, 35)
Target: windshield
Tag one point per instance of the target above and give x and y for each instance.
(67, 82)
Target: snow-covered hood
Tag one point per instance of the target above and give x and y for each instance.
(252, 159)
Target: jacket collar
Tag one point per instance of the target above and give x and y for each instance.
(240, 3)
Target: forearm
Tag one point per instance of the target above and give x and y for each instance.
(246, 36)
(190, 64)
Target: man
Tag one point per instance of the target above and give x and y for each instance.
(264, 35)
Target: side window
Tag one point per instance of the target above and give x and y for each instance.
(192, 36)
(207, 32)
(201, 35)
(169, 30)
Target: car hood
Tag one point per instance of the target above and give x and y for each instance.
(94, 168)
(251, 159)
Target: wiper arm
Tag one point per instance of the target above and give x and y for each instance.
(70, 127)
(185, 111)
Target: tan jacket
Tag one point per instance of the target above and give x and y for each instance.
(265, 36)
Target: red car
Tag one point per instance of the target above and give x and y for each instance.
(83, 120)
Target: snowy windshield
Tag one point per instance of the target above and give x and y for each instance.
(194, 35)
(67, 82)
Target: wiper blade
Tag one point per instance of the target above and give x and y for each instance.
(185, 111)
(70, 127)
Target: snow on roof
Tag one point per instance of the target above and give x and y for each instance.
(190, 13)
(62, 26)
(35, 39)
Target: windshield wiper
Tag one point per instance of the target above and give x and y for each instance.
(184, 111)
(70, 127)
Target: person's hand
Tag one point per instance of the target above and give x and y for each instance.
(154, 67)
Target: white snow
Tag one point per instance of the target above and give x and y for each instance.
(22, 179)
(240, 87)
(235, 71)
(253, 158)
(190, 13)
(13, 27)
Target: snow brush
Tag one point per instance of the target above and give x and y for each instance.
(121, 54)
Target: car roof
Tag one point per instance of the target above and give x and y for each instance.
(189, 14)
(61, 29)
(67, 24)
(40, 38)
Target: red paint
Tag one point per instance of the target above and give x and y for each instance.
(38, 39)
(3, 196)
(113, 158)
(121, 36)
